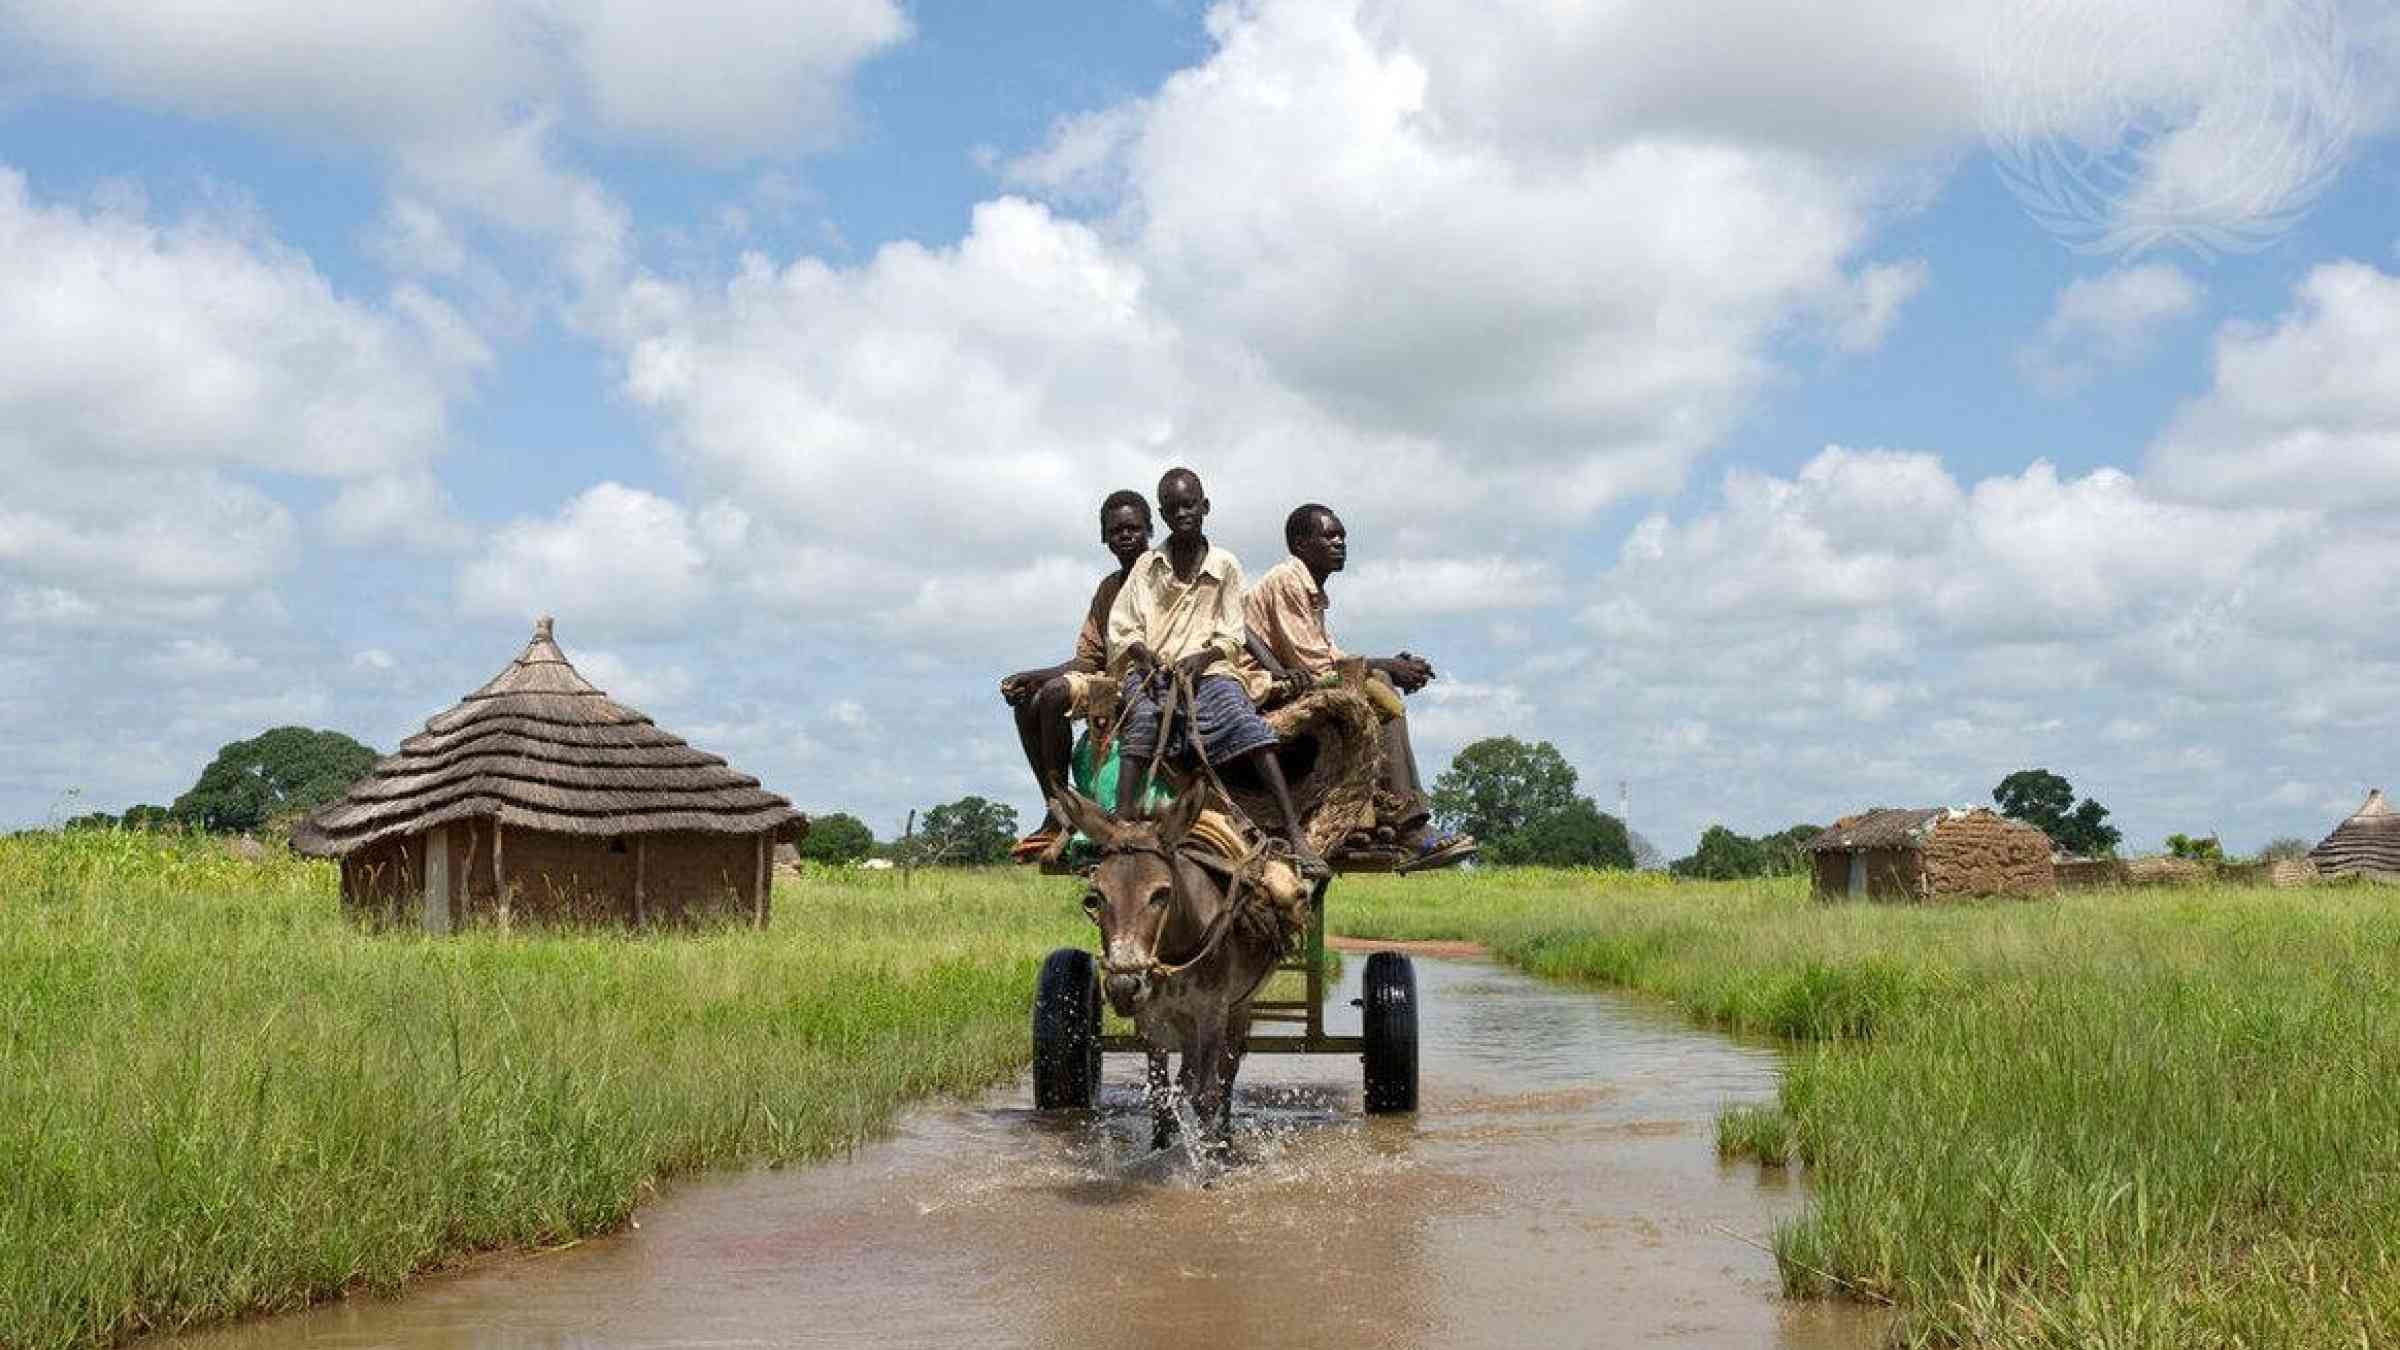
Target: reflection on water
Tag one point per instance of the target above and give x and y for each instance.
(1560, 1187)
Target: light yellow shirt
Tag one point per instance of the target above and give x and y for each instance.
(1174, 619)
(1285, 611)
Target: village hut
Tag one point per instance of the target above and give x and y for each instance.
(2367, 844)
(1888, 854)
(538, 796)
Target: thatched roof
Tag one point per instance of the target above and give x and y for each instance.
(541, 749)
(2368, 842)
(1891, 827)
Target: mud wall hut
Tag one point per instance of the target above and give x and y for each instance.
(2365, 845)
(1917, 855)
(539, 797)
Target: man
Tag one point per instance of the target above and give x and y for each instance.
(1180, 612)
(1047, 700)
(1285, 614)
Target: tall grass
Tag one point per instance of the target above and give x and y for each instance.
(2124, 1119)
(216, 1097)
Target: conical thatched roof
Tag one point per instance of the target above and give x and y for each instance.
(541, 749)
(2368, 842)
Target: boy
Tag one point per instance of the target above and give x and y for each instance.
(1046, 700)
(1180, 611)
(1285, 613)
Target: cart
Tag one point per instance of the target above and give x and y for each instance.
(1068, 1042)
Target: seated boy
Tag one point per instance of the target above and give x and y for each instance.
(1285, 614)
(1180, 611)
(1047, 699)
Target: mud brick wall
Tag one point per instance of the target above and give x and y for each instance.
(1891, 874)
(695, 876)
(2290, 872)
(379, 882)
(585, 878)
(2090, 874)
(1982, 853)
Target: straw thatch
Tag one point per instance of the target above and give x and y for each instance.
(2367, 844)
(539, 748)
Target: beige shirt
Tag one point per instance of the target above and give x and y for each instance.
(1175, 620)
(1285, 611)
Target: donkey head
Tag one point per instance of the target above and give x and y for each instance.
(1137, 892)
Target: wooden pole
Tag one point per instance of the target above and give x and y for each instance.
(641, 919)
(908, 850)
(766, 878)
(499, 873)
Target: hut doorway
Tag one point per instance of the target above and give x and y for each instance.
(1858, 876)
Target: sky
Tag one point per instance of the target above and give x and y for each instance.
(1784, 411)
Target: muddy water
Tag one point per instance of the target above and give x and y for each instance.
(1560, 1187)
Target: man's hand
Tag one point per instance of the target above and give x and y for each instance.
(1023, 685)
(1410, 673)
(1192, 666)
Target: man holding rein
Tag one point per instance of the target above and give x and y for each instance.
(1180, 612)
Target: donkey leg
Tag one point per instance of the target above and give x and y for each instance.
(1237, 1044)
(1162, 1109)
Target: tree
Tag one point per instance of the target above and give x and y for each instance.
(275, 773)
(2203, 848)
(1722, 856)
(1784, 853)
(839, 838)
(2290, 848)
(965, 832)
(1499, 785)
(1646, 855)
(1580, 835)
(2046, 801)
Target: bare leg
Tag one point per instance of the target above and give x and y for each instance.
(1048, 744)
(1270, 772)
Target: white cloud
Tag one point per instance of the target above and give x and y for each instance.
(135, 343)
(2108, 323)
(614, 560)
(1867, 312)
(2303, 413)
(1872, 630)
(410, 511)
(719, 79)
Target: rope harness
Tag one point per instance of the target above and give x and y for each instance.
(1242, 875)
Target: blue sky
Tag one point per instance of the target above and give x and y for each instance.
(1702, 398)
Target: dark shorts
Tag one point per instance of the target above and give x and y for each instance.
(1229, 725)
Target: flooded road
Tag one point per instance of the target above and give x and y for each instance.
(1560, 1187)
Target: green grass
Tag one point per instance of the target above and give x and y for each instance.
(2123, 1119)
(218, 1098)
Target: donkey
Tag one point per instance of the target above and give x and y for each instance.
(1176, 956)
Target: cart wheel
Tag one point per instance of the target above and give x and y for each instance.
(1388, 1012)
(1066, 1031)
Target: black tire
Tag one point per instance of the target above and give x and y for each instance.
(1066, 1032)
(1388, 1017)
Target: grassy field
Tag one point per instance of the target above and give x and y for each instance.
(2164, 1118)
(216, 1097)
(2120, 1119)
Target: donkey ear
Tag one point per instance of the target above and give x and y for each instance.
(1180, 816)
(1086, 815)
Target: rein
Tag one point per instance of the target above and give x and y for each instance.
(1239, 873)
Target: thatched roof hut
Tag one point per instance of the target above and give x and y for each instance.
(1928, 853)
(538, 795)
(2367, 844)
